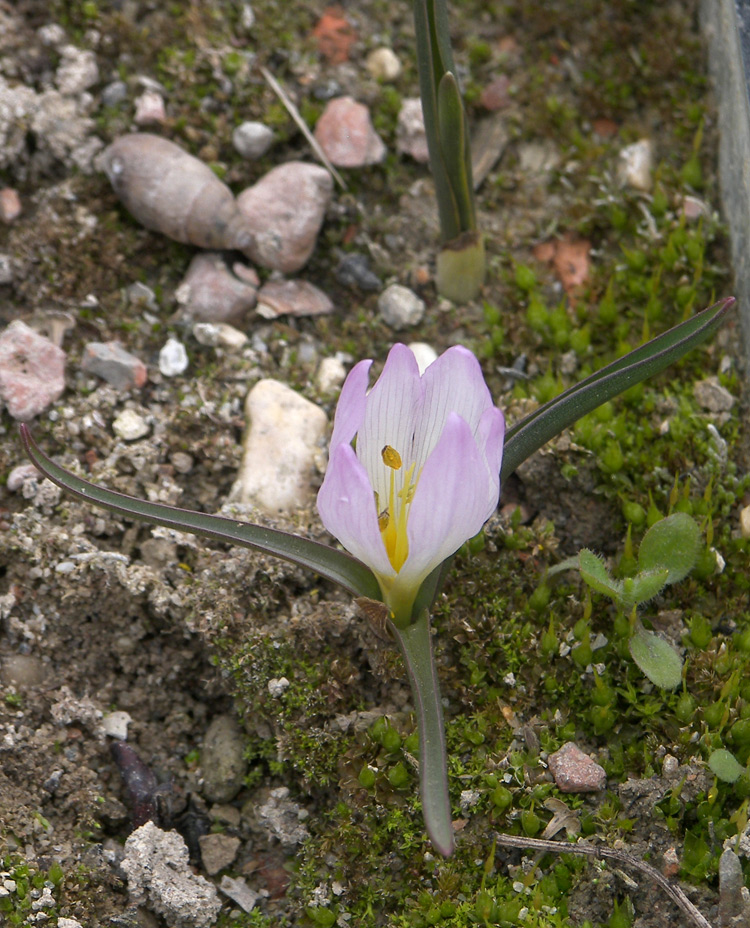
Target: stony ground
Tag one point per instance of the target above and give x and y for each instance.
(251, 697)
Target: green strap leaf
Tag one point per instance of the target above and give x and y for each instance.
(335, 565)
(416, 647)
(528, 435)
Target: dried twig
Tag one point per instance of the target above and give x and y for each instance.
(294, 113)
(607, 853)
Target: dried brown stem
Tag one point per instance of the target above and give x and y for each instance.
(606, 853)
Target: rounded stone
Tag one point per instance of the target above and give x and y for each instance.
(400, 307)
(252, 140)
(223, 760)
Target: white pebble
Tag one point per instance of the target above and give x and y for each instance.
(130, 426)
(636, 165)
(383, 64)
(277, 686)
(173, 359)
(424, 353)
(115, 724)
(252, 140)
(330, 375)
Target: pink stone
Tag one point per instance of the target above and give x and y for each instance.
(292, 298)
(284, 211)
(149, 109)
(10, 204)
(346, 135)
(496, 95)
(212, 292)
(576, 772)
(32, 371)
(111, 362)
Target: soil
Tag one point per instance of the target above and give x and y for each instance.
(99, 614)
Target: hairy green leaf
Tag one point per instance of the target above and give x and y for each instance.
(656, 658)
(672, 544)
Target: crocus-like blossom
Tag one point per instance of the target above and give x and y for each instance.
(414, 468)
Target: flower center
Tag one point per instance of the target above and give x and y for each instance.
(392, 520)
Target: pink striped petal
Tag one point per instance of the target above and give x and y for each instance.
(350, 411)
(452, 500)
(393, 408)
(347, 509)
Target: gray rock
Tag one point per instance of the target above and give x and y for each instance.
(213, 292)
(400, 307)
(330, 375)
(292, 298)
(283, 818)
(637, 165)
(115, 93)
(6, 268)
(353, 270)
(252, 140)
(576, 772)
(711, 396)
(32, 371)
(77, 70)
(238, 891)
(157, 867)
(282, 447)
(285, 211)
(223, 760)
(734, 899)
(111, 362)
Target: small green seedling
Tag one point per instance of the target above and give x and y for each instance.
(668, 552)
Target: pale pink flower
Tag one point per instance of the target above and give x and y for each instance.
(414, 468)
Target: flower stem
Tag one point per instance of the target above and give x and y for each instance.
(416, 648)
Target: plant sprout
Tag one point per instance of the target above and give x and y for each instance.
(445, 430)
(460, 262)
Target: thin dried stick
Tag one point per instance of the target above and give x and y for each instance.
(606, 853)
(294, 113)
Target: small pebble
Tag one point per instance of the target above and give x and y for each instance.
(252, 140)
(277, 686)
(285, 211)
(292, 298)
(115, 724)
(219, 335)
(111, 362)
(223, 760)
(330, 375)
(10, 204)
(383, 64)
(218, 851)
(19, 475)
(711, 396)
(411, 138)
(636, 165)
(115, 93)
(424, 353)
(138, 294)
(745, 522)
(400, 307)
(182, 462)
(149, 109)
(353, 270)
(6, 268)
(692, 208)
(238, 891)
(496, 95)
(173, 359)
(213, 292)
(129, 426)
(77, 70)
(281, 448)
(346, 134)
(32, 371)
(576, 772)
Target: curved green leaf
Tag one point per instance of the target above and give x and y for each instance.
(335, 565)
(528, 435)
(672, 544)
(725, 765)
(656, 658)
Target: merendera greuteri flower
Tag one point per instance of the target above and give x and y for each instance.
(414, 468)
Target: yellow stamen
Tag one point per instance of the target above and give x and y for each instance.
(393, 519)
(391, 457)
